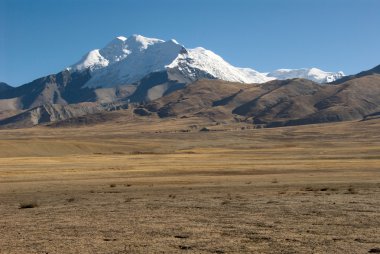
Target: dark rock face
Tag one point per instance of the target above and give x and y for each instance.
(141, 112)
(60, 88)
(51, 113)
(145, 87)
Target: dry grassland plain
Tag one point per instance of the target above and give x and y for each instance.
(165, 187)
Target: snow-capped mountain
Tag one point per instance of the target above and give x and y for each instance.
(128, 60)
(313, 74)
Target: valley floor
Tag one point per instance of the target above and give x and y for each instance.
(125, 189)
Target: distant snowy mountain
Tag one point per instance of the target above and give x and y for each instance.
(128, 60)
(313, 74)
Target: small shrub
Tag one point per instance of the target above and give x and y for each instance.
(127, 200)
(182, 236)
(70, 200)
(374, 250)
(225, 202)
(185, 247)
(351, 190)
(26, 205)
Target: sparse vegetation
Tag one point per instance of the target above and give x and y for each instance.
(309, 189)
(30, 204)
(225, 202)
(351, 190)
(374, 250)
(70, 200)
(182, 236)
(127, 200)
(185, 247)
(193, 191)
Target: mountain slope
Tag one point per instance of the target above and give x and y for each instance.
(61, 88)
(50, 113)
(5, 87)
(277, 103)
(272, 104)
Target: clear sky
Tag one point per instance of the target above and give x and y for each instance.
(40, 37)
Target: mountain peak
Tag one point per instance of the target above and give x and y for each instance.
(5, 87)
(141, 42)
(126, 60)
(174, 41)
(116, 42)
(121, 38)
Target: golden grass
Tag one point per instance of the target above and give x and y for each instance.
(125, 188)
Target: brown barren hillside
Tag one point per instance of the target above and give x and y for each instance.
(276, 103)
(272, 104)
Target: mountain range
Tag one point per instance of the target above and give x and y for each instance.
(163, 78)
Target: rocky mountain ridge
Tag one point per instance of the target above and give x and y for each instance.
(152, 77)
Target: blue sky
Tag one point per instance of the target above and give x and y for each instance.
(40, 37)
